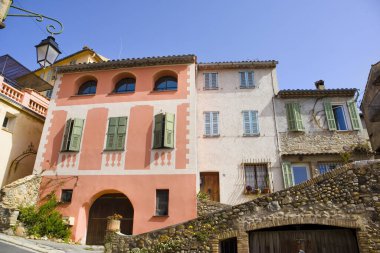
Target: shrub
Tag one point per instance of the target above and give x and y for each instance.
(45, 220)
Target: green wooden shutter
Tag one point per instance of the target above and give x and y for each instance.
(121, 131)
(250, 78)
(76, 134)
(330, 116)
(297, 117)
(354, 115)
(290, 117)
(158, 130)
(66, 135)
(287, 174)
(243, 80)
(169, 130)
(111, 134)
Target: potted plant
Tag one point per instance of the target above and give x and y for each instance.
(248, 189)
(113, 222)
(257, 191)
(266, 189)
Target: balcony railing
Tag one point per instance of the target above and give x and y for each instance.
(27, 97)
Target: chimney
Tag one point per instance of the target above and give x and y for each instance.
(320, 85)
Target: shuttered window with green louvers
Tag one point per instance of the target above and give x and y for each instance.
(287, 174)
(293, 115)
(117, 127)
(164, 130)
(354, 115)
(72, 135)
(330, 116)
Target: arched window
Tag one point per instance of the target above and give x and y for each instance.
(87, 88)
(166, 83)
(125, 85)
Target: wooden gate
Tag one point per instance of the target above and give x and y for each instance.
(103, 207)
(210, 184)
(335, 240)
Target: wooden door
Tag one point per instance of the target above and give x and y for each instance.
(210, 184)
(305, 241)
(103, 207)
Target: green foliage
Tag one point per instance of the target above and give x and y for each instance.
(45, 220)
(203, 196)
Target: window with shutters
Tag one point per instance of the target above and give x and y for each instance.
(49, 93)
(210, 81)
(256, 176)
(247, 80)
(72, 135)
(250, 123)
(211, 124)
(163, 134)
(293, 115)
(117, 128)
(162, 202)
(294, 174)
(338, 116)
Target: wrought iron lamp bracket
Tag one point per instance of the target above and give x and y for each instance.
(39, 18)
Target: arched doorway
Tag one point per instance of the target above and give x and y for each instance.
(104, 206)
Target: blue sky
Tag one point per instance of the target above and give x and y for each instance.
(333, 40)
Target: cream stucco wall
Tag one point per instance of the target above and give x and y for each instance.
(24, 130)
(225, 154)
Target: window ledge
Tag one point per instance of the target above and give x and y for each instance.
(247, 88)
(69, 151)
(163, 91)
(82, 95)
(251, 135)
(114, 150)
(164, 148)
(121, 93)
(216, 88)
(7, 130)
(160, 216)
(211, 136)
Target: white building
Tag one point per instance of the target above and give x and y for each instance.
(237, 141)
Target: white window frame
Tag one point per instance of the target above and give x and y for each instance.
(251, 133)
(246, 83)
(300, 165)
(346, 116)
(10, 122)
(212, 134)
(208, 86)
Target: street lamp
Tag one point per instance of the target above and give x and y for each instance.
(47, 52)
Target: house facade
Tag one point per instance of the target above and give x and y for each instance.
(319, 129)
(236, 132)
(371, 107)
(120, 138)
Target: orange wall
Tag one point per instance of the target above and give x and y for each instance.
(141, 191)
(139, 141)
(54, 140)
(94, 134)
(145, 78)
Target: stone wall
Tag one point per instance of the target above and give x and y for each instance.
(23, 192)
(205, 207)
(328, 142)
(347, 197)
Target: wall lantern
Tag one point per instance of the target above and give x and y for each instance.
(47, 52)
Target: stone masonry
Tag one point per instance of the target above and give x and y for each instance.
(22, 192)
(347, 197)
(327, 142)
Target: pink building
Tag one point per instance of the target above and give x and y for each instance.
(119, 138)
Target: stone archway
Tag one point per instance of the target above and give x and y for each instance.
(104, 206)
